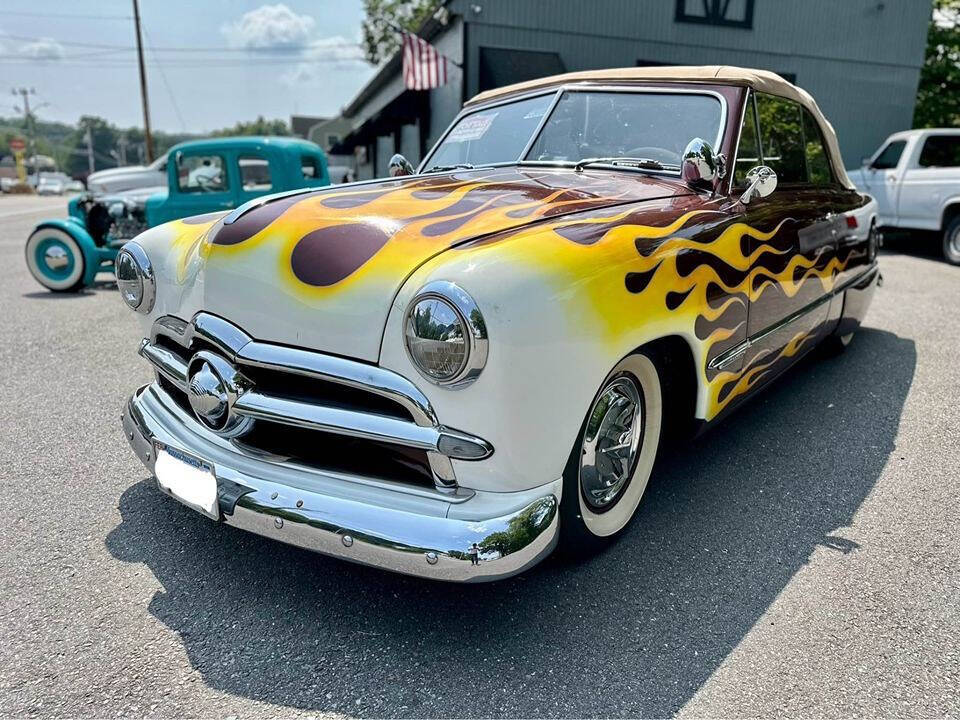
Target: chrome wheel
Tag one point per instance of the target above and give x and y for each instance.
(610, 443)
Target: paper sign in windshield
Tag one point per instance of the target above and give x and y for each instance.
(473, 127)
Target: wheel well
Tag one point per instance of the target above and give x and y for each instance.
(678, 381)
(950, 212)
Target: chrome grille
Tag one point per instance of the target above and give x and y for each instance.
(320, 395)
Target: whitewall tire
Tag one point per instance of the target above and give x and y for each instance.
(614, 455)
(55, 260)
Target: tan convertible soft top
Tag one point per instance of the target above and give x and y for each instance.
(761, 80)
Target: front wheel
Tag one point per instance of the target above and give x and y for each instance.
(55, 260)
(951, 242)
(611, 463)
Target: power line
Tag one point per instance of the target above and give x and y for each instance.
(74, 16)
(194, 49)
(163, 75)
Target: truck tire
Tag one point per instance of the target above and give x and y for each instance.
(951, 242)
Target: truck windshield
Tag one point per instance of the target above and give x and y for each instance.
(653, 126)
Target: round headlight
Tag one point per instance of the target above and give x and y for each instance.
(135, 278)
(445, 335)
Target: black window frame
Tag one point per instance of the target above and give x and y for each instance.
(714, 13)
(903, 146)
(935, 137)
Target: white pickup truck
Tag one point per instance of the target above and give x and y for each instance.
(915, 178)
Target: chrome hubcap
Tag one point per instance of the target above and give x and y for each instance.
(955, 243)
(611, 443)
(56, 258)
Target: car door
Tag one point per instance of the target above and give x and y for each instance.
(201, 181)
(792, 239)
(881, 179)
(931, 176)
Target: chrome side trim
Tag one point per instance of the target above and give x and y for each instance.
(726, 357)
(264, 200)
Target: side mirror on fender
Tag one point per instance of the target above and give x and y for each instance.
(400, 166)
(701, 166)
(761, 181)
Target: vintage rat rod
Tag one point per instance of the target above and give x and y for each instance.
(445, 374)
(65, 254)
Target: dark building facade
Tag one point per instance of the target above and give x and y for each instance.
(860, 59)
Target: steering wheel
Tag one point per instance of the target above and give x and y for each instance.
(655, 153)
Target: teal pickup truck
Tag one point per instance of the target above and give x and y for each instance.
(203, 176)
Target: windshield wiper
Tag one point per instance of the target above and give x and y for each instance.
(445, 168)
(639, 163)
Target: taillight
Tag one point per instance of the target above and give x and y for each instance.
(852, 222)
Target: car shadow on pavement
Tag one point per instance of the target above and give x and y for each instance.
(634, 631)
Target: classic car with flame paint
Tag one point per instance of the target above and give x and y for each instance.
(448, 372)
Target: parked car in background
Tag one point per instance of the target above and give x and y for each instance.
(50, 186)
(203, 176)
(915, 178)
(444, 373)
(129, 177)
(340, 174)
(74, 186)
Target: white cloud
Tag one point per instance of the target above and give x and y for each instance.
(322, 55)
(43, 49)
(269, 26)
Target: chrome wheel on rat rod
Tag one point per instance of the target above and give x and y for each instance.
(611, 442)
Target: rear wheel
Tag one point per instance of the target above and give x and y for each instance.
(611, 463)
(55, 260)
(951, 242)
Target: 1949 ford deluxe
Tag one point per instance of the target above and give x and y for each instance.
(449, 372)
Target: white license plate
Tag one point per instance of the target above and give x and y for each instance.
(188, 478)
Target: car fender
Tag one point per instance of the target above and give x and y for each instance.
(953, 201)
(551, 345)
(75, 228)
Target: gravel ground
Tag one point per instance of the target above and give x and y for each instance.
(801, 560)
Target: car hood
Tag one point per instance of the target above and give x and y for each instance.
(322, 269)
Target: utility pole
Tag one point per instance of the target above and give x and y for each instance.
(148, 138)
(25, 93)
(88, 136)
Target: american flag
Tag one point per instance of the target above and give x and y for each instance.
(423, 66)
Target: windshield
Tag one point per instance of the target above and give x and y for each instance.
(490, 136)
(585, 124)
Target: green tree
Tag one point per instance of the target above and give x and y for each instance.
(104, 136)
(260, 126)
(938, 94)
(381, 38)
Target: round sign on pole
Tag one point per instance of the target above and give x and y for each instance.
(18, 145)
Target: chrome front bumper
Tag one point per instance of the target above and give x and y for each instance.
(415, 531)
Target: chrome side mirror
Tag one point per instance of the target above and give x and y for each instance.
(701, 166)
(400, 166)
(761, 181)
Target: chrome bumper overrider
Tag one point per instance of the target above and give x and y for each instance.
(409, 531)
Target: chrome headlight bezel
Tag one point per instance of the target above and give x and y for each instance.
(132, 256)
(472, 324)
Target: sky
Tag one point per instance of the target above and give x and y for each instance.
(210, 63)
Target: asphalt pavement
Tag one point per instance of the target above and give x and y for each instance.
(801, 560)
